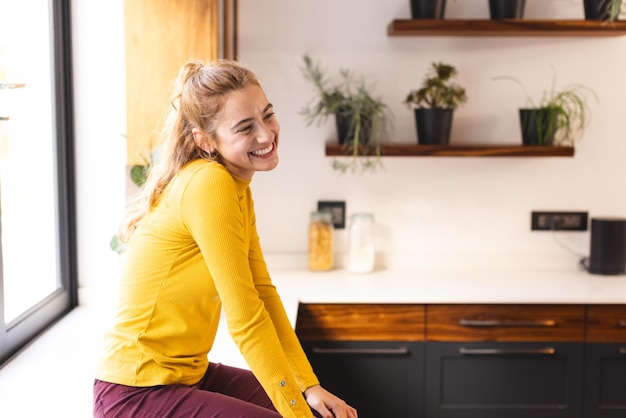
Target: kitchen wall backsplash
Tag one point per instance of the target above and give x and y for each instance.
(439, 211)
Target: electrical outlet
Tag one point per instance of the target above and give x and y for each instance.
(337, 208)
(559, 221)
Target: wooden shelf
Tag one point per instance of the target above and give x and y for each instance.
(504, 27)
(411, 150)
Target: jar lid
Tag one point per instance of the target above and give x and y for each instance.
(322, 216)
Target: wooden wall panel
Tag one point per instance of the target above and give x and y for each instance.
(161, 35)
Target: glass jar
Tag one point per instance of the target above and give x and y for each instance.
(361, 243)
(321, 241)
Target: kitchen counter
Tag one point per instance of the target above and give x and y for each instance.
(447, 286)
(428, 286)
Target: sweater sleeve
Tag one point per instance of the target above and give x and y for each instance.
(215, 211)
(298, 362)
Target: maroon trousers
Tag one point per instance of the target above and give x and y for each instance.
(224, 392)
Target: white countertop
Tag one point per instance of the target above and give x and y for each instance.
(447, 286)
(433, 286)
(425, 286)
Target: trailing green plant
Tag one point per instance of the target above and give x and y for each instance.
(351, 101)
(438, 89)
(138, 175)
(566, 112)
(612, 10)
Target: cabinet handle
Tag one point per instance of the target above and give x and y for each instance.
(4, 118)
(548, 351)
(622, 323)
(380, 351)
(622, 351)
(506, 323)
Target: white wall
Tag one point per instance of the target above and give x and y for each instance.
(429, 210)
(470, 210)
(100, 122)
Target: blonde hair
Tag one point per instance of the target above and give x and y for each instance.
(198, 98)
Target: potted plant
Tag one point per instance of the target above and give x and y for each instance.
(434, 103)
(360, 118)
(138, 174)
(604, 10)
(428, 9)
(559, 118)
(498, 9)
(506, 9)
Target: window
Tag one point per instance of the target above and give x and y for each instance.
(37, 246)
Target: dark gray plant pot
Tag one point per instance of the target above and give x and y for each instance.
(433, 126)
(506, 9)
(596, 9)
(538, 126)
(428, 9)
(345, 129)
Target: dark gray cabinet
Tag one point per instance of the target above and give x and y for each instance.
(370, 355)
(496, 380)
(496, 361)
(605, 380)
(605, 362)
(470, 360)
(380, 379)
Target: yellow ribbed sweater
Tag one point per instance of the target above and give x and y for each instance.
(195, 253)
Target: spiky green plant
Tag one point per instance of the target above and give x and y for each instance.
(567, 113)
(612, 10)
(349, 98)
(438, 90)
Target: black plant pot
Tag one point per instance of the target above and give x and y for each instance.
(433, 126)
(596, 9)
(346, 131)
(538, 126)
(506, 9)
(428, 9)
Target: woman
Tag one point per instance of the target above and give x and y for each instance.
(193, 250)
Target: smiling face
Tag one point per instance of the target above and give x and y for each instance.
(246, 134)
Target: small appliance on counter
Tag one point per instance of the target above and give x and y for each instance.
(608, 247)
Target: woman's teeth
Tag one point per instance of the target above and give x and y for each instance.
(264, 151)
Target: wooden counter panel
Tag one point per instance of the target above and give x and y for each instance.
(606, 323)
(502, 323)
(360, 322)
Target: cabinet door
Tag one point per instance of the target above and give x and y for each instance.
(497, 380)
(605, 366)
(380, 379)
(605, 381)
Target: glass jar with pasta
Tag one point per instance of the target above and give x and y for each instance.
(321, 241)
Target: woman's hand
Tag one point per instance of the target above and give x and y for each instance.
(327, 404)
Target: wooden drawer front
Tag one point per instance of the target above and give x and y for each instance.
(364, 322)
(505, 322)
(606, 323)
